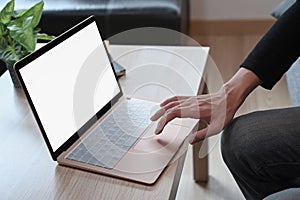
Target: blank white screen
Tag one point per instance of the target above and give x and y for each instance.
(70, 83)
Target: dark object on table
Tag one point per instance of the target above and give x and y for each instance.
(119, 69)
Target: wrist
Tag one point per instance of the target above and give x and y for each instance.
(240, 86)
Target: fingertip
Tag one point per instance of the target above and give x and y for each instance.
(153, 118)
(191, 139)
(157, 132)
(198, 136)
(162, 104)
(158, 129)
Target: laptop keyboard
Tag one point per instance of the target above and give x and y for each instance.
(109, 142)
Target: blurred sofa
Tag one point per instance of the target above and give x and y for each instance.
(113, 16)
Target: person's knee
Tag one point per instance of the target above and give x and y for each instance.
(229, 143)
(238, 141)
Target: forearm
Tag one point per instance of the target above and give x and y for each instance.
(277, 50)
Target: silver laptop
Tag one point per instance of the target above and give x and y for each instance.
(84, 118)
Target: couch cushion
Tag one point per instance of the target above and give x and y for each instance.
(288, 194)
(129, 14)
(293, 81)
(282, 7)
(113, 16)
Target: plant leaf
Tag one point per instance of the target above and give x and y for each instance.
(7, 12)
(36, 30)
(43, 36)
(22, 32)
(3, 32)
(11, 54)
(35, 12)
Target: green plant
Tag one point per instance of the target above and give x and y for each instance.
(19, 32)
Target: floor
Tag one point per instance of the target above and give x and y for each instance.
(228, 51)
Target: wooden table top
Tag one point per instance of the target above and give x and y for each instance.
(26, 168)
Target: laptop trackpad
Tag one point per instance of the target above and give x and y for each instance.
(153, 152)
(150, 142)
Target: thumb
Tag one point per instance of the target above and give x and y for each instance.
(198, 135)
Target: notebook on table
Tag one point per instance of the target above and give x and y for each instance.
(86, 121)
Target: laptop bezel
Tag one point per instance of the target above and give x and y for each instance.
(44, 49)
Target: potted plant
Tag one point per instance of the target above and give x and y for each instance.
(19, 34)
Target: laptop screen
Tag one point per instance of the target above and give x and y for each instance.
(70, 83)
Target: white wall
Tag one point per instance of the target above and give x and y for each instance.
(232, 9)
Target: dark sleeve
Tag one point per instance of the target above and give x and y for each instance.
(278, 49)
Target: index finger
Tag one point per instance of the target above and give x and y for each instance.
(165, 119)
(164, 109)
(175, 98)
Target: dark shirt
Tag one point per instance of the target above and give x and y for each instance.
(278, 49)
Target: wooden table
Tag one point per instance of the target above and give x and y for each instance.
(26, 168)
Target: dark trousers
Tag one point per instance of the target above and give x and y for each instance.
(262, 151)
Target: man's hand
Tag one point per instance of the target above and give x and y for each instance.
(209, 108)
(216, 109)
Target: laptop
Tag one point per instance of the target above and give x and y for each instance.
(86, 121)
